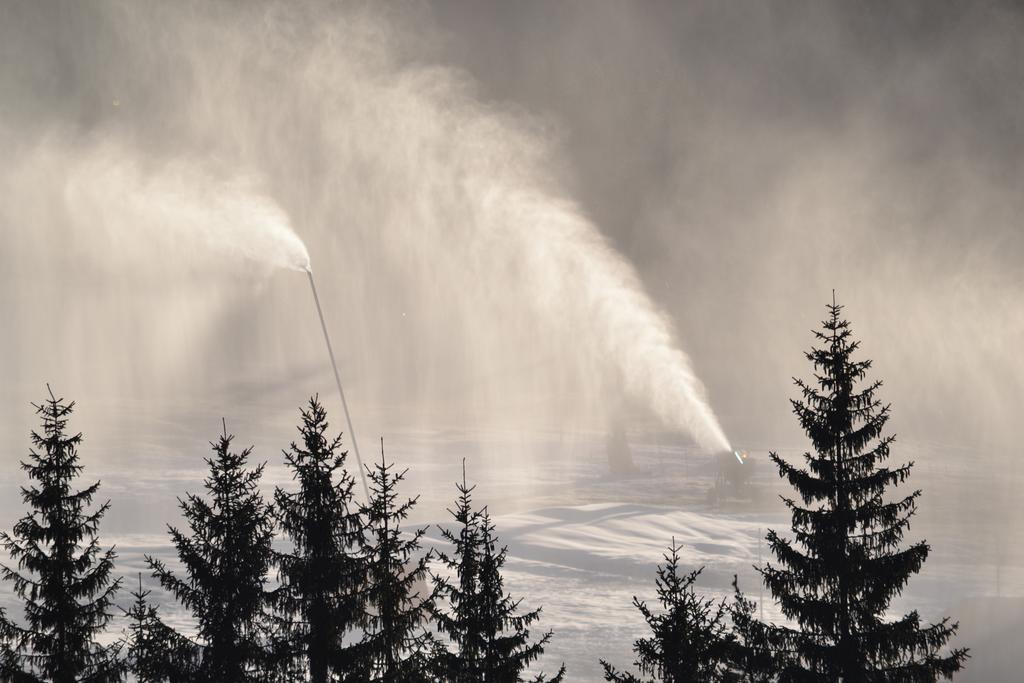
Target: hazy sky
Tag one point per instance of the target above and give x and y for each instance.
(749, 157)
(745, 157)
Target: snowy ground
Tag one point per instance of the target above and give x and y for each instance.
(582, 543)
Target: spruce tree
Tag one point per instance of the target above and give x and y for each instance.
(491, 641)
(155, 652)
(61, 574)
(506, 635)
(690, 640)
(461, 623)
(319, 601)
(226, 558)
(847, 561)
(395, 645)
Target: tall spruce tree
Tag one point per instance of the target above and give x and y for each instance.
(491, 642)
(395, 644)
(226, 558)
(319, 601)
(690, 640)
(847, 560)
(62, 575)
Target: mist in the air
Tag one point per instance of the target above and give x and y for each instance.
(524, 219)
(409, 189)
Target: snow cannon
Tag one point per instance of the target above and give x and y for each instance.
(735, 470)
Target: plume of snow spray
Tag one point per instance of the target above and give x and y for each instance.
(181, 203)
(573, 260)
(438, 205)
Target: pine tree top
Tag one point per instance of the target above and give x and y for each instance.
(490, 639)
(395, 642)
(322, 514)
(226, 555)
(689, 639)
(465, 538)
(317, 450)
(383, 507)
(231, 528)
(61, 574)
(846, 561)
(155, 653)
(320, 598)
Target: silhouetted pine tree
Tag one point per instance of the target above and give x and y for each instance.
(462, 624)
(491, 642)
(62, 575)
(226, 558)
(689, 642)
(506, 642)
(155, 652)
(319, 601)
(838, 576)
(395, 644)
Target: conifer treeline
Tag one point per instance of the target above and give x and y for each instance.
(835, 578)
(350, 597)
(353, 596)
